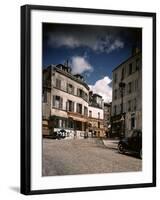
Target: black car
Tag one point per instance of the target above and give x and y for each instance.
(132, 144)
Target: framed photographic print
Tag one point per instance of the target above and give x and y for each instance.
(88, 99)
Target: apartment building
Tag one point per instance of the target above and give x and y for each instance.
(65, 101)
(107, 118)
(96, 116)
(127, 95)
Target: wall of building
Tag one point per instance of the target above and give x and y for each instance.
(132, 93)
(66, 97)
(60, 111)
(96, 122)
(46, 105)
(135, 78)
(107, 118)
(62, 92)
(95, 112)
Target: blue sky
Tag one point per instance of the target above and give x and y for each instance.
(92, 51)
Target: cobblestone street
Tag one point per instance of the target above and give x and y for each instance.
(84, 156)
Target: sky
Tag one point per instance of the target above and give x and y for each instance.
(92, 51)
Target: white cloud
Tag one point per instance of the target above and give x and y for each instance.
(64, 40)
(115, 45)
(105, 42)
(102, 88)
(80, 64)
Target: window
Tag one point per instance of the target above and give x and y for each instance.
(133, 121)
(79, 92)
(70, 106)
(79, 108)
(115, 110)
(130, 69)
(90, 113)
(56, 123)
(115, 78)
(59, 123)
(85, 97)
(82, 94)
(57, 102)
(70, 123)
(58, 83)
(70, 89)
(98, 124)
(85, 126)
(115, 94)
(135, 104)
(137, 64)
(98, 115)
(136, 85)
(122, 74)
(129, 87)
(78, 125)
(64, 123)
(44, 97)
(129, 105)
(85, 111)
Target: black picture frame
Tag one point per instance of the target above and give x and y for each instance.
(26, 99)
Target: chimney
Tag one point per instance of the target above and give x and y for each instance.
(135, 50)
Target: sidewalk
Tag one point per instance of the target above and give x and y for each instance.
(111, 143)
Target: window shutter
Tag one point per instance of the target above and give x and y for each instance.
(72, 106)
(77, 108)
(61, 103)
(54, 97)
(67, 106)
(132, 84)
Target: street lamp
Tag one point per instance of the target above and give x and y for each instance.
(122, 88)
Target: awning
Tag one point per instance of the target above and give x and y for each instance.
(77, 118)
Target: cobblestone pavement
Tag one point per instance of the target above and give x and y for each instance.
(84, 156)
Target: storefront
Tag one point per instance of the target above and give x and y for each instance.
(74, 126)
(118, 126)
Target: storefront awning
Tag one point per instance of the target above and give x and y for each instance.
(77, 117)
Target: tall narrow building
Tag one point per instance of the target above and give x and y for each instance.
(127, 95)
(96, 116)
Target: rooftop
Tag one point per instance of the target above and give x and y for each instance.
(126, 60)
(66, 70)
(96, 95)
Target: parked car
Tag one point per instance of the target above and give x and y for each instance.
(58, 134)
(132, 143)
(61, 134)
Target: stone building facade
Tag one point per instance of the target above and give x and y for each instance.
(127, 95)
(66, 102)
(107, 118)
(96, 116)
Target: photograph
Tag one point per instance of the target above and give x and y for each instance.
(91, 99)
(88, 111)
